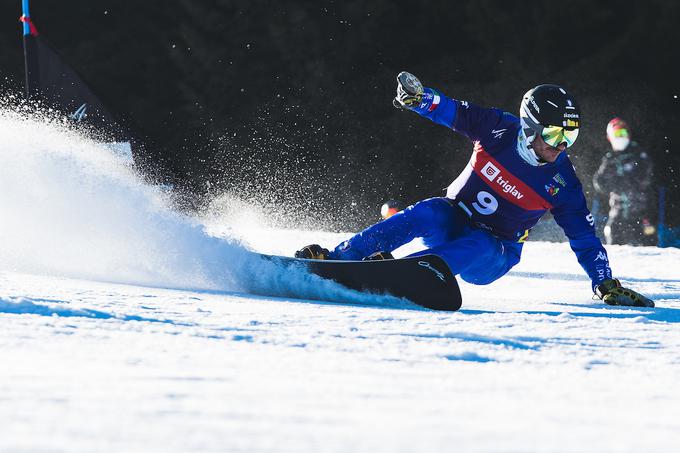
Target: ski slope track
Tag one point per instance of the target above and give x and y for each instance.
(126, 326)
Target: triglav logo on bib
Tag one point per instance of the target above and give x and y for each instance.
(490, 171)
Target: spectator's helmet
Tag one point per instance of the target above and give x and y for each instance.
(618, 134)
(548, 110)
(389, 208)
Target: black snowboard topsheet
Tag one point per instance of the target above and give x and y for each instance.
(424, 280)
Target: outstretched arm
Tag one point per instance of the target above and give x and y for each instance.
(471, 120)
(578, 225)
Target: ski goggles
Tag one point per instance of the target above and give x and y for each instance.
(556, 135)
(620, 132)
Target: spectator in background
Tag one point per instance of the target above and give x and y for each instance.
(625, 177)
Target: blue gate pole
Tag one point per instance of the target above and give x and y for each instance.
(661, 227)
(30, 59)
(26, 14)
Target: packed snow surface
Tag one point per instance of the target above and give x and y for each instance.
(125, 326)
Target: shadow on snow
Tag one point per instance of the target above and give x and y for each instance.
(21, 305)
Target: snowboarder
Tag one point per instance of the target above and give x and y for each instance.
(625, 179)
(518, 170)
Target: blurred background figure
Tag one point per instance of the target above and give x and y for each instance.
(389, 208)
(625, 178)
(669, 235)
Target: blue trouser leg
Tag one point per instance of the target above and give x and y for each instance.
(475, 254)
(434, 220)
(478, 256)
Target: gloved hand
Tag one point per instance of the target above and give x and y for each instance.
(409, 91)
(612, 293)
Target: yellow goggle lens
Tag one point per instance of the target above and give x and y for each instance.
(555, 135)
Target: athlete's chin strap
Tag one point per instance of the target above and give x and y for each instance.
(525, 151)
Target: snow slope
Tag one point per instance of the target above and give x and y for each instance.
(125, 326)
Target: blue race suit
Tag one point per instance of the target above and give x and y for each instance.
(480, 226)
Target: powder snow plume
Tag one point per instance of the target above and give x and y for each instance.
(69, 207)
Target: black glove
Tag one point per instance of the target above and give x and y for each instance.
(409, 91)
(612, 293)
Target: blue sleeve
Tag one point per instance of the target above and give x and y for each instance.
(465, 118)
(577, 222)
(437, 107)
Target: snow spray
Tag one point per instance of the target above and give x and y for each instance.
(70, 207)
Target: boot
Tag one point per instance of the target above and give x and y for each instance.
(312, 252)
(377, 256)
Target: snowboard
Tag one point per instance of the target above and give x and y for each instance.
(424, 280)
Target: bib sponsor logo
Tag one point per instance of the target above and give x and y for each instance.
(559, 179)
(490, 171)
(504, 183)
(552, 189)
(509, 188)
(493, 174)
